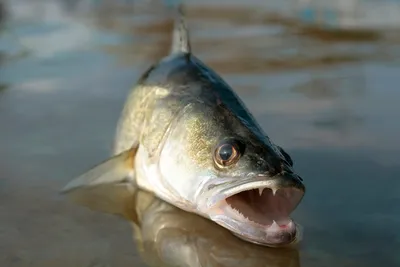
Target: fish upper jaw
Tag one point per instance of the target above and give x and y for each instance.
(213, 191)
(256, 209)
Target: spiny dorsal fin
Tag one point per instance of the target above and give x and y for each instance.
(180, 37)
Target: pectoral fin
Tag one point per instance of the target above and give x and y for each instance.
(119, 199)
(117, 169)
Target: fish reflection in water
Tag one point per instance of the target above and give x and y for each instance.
(168, 236)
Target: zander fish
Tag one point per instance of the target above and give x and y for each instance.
(187, 137)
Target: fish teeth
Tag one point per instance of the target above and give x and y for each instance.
(290, 224)
(274, 226)
(274, 191)
(260, 190)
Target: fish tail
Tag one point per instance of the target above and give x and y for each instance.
(180, 35)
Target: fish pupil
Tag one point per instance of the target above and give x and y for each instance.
(226, 152)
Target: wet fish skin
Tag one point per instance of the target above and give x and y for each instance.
(173, 122)
(179, 118)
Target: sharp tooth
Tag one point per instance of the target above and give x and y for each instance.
(274, 191)
(260, 190)
(290, 225)
(274, 226)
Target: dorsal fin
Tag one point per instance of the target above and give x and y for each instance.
(180, 35)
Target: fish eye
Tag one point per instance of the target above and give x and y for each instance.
(226, 154)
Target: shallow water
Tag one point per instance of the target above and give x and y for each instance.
(326, 94)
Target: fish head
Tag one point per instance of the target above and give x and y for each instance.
(222, 164)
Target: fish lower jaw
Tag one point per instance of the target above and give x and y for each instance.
(271, 233)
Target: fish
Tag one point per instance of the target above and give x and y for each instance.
(168, 236)
(186, 136)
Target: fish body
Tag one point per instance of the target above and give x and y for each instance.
(187, 137)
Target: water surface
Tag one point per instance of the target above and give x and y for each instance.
(323, 83)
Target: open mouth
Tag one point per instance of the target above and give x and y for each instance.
(262, 215)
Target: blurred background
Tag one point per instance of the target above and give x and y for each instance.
(322, 77)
